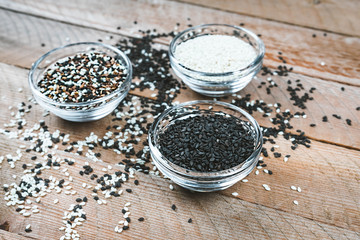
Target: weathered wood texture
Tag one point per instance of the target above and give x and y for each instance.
(5, 235)
(329, 99)
(328, 172)
(319, 171)
(303, 52)
(330, 15)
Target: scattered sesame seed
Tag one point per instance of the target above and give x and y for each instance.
(296, 202)
(235, 194)
(266, 187)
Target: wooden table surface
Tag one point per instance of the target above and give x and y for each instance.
(319, 39)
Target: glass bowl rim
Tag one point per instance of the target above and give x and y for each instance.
(253, 64)
(202, 175)
(45, 99)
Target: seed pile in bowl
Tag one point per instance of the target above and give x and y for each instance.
(215, 54)
(207, 143)
(83, 77)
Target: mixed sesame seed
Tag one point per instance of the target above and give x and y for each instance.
(83, 77)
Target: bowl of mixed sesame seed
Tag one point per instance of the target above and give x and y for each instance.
(81, 81)
(216, 59)
(205, 145)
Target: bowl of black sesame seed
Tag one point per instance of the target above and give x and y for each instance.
(216, 59)
(81, 82)
(205, 145)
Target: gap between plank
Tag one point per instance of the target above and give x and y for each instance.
(267, 19)
(159, 42)
(283, 211)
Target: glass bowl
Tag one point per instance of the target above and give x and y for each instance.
(203, 181)
(82, 111)
(217, 84)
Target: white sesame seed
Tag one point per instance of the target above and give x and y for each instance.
(56, 201)
(257, 172)
(299, 189)
(244, 180)
(296, 202)
(322, 63)
(293, 188)
(35, 210)
(28, 226)
(171, 187)
(235, 194)
(267, 188)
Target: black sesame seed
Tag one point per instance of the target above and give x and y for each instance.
(336, 116)
(136, 182)
(28, 230)
(78, 200)
(125, 227)
(128, 190)
(348, 121)
(173, 207)
(199, 143)
(190, 220)
(141, 219)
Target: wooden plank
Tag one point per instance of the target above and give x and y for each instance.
(303, 52)
(215, 216)
(329, 99)
(5, 235)
(334, 16)
(319, 171)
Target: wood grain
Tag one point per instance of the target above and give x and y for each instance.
(331, 15)
(303, 52)
(319, 171)
(328, 174)
(4, 235)
(329, 99)
(215, 215)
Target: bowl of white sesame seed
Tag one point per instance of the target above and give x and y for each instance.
(216, 59)
(81, 81)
